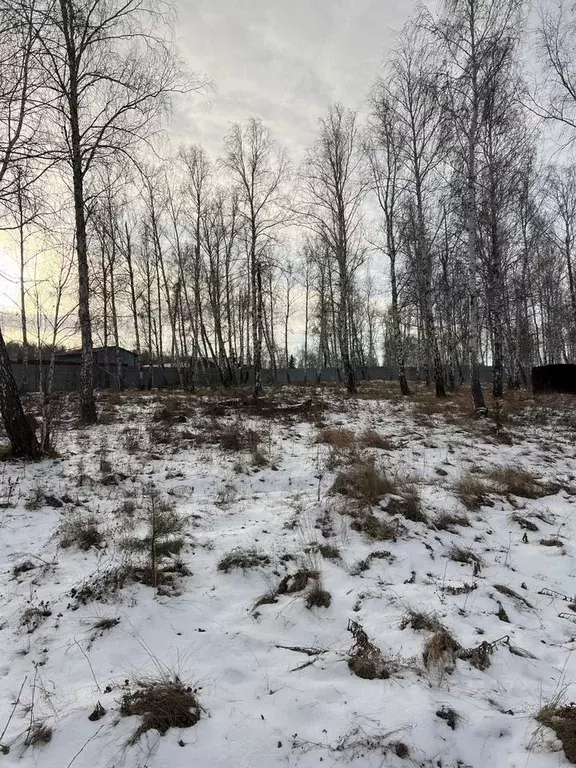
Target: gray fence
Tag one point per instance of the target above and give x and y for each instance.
(67, 376)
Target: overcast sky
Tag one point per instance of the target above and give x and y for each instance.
(282, 60)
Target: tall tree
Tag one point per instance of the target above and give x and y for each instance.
(333, 188)
(259, 167)
(477, 38)
(110, 71)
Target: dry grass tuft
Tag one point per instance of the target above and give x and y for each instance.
(552, 542)
(363, 565)
(515, 481)
(421, 620)
(440, 651)
(80, 531)
(473, 492)
(374, 528)
(366, 659)
(38, 735)
(406, 502)
(467, 556)
(337, 437)
(446, 521)
(562, 720)
(364, 482)
(297, 582)
(242, 558)
(162, 704)
(370, 438)
(317, 597)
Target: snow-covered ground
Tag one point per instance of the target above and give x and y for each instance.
(272, 679)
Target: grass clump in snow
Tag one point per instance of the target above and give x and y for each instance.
(365, 659)
(472, 492)
(364, 482)
(242, 558)
(467, 556)
(515, 481)
(374, 528)
(161, 705)
(80, 531)
(552, 542)
(317, 596)
(364, 565)
(328, 551)
(421, 620)
(370, 438)
(337, 437)
(562, 720)
(406, 502)
(39, 734)
(446, 521)
(440, 651)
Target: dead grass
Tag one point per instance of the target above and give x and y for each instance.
(364, 482)
(406, 502)
(440, 651)
(516, 481)
(106, 623)
(473, 492)
(80, 531)
(317, 597)
(242, 559)
(161, 705)
(562, 720)
(463, 555)
(38, 735)
(365, 659)
(337, 437)
(370, 438)
(509, 592)
(374, 528)
(363, 565)
(446, 521)
(421, 620)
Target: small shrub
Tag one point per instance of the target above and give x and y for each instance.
(562, 720)
(80, 531)
(362, 481)
(161, 704)
(101, 586)
(242, 558)
(161, 538)
(552, 542)
(38, 735)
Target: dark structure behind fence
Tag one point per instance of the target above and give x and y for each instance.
(67, 376)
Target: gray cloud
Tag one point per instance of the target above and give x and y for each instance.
(281, 60)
